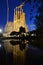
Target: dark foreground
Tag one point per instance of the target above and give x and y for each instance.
(34, 56)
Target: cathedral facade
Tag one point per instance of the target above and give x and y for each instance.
(18, 21)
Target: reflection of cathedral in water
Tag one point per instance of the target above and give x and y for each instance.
(18, 21)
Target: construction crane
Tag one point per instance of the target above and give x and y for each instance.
(22, 4)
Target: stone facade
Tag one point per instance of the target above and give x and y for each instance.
(8, 28)
(19, 19)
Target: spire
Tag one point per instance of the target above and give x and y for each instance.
(7, 14)
(7, 11)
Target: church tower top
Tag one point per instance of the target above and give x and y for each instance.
(18, 12)
(19, 18)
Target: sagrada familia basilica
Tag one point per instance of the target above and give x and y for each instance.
(18, 21)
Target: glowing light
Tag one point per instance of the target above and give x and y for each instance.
(0, 45)
(0, 30)
(33, 34)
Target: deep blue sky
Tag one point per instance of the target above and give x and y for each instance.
(28, 7)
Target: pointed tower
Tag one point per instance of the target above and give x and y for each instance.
(19, 19)
(9, 25)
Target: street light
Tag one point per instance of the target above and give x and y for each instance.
(0, 30)
(0, 45)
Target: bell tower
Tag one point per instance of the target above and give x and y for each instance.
(19, 19)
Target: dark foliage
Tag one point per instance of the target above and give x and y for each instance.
(14, 33)
(1, 35)
(22, 29)
(39, 25)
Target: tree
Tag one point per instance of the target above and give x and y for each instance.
(22, 29)
(39, 25)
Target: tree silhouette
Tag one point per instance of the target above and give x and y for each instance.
(39, 25)
(22, 29)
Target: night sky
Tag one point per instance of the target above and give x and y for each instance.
(30, 8)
